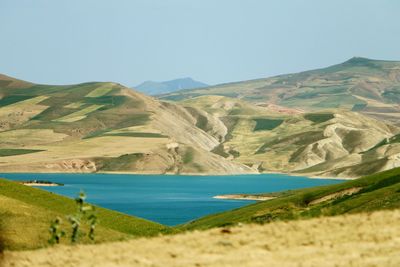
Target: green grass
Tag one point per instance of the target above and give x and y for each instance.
(386, 141)
(337, 101)
(121, 163)
(188, 155)
(379, 191)
(30, 208)
(359, 107)
(202, 122)
(6, 152)
(319, 117)
(13, 99)
(100, 91)
(137, 134)
(267, 124)
(79, 115)
(26, 213)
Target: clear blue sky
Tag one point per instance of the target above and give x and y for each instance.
(215, 41)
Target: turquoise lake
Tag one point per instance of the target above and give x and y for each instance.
(168, 199)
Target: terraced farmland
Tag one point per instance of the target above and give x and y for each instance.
(90, 127)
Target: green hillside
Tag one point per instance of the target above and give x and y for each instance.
(100, 127)
(359, 84)
(331, 142)
(26, 213)
(366, 194)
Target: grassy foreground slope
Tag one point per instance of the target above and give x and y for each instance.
(26, 213)
(354, 240)
(366, 194)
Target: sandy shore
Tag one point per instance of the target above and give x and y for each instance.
(243, 197)
(353, 240)
(40, 184)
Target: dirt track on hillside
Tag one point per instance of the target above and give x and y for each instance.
(356, 240)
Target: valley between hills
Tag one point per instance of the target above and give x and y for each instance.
(341, 121)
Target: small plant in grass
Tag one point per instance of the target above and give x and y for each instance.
(93, 221)
(55, 232)
(85, 214)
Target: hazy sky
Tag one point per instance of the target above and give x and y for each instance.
(214, 41)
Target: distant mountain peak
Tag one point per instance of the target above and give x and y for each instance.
(156, 88)
(359, 61)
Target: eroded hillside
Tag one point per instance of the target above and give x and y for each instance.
(331, 142)
(359, 84)
(106, 127)
(102, 127)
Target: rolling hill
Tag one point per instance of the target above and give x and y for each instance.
(354, 240)
(157, 88)
(272, 138)
(324, 220)
(359, 84)
(26, 213)
(101, 127)
(106, 127)
(370, 193)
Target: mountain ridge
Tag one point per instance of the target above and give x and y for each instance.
(106, 127)
(156, 88)
(359, 84)
(101, 127)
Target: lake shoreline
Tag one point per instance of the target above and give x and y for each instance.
(191, 174)
(168, 199)
(243, 197)
(41, 185)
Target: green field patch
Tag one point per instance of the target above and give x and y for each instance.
(52, 113)
(28, 101)
(299, 139)
(6, 152)
(13, 99)
(137, 134)
(121, 163)
(39, 89)
(202, 122)
(337, 101)
(219, 150)
(319, 117)
(359, 106)
(112, 121)
(79, 115)
(267, 124)
(188, 156)
(108, 100)
(386, 141)
(75, 105)
(100, 91)
(178, 97)
(392, 95)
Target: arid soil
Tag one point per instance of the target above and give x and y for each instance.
(352, 240)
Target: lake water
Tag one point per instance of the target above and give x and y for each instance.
(168, 199)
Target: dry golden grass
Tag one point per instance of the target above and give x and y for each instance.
(87, 148)
(355, 240)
